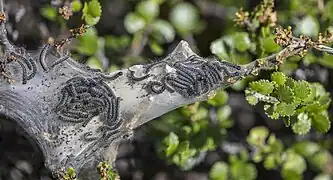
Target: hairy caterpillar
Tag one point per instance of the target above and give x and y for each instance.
(112, 77)
(133, 77)
(60, 60)
(156, 87)
(42, 56)
(84, 98)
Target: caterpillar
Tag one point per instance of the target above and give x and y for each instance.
(33, 68)
(133, 77)
(70, 119)
(76, 113)
(42, 56)
(63, 101)
(156, 87)
(88, 136)
(84, 98)
(71, 89)
(216, 71)
(112, 77)
(60, 60)
(24, 72)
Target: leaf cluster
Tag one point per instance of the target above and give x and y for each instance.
(298, 103)
(231, 170)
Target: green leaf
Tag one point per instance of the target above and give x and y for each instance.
(306, 148)
(327, 14)
(76, 5)
(320, 89)
(91, 20)
(320, 160)
(201, 114)
(303, 25)
(290, 82)
(184, 155)
(117, 43)
(321, 104)
(275, 145)
(95, 8)
(242, 41)
(309, 59)
(301, 89)
(268, 45)
(92, 12)
(326, 60)
(163, 31)
(271, 161)
(172, 143)
(285, 109)
(219, 99)
(148, 9)
(49, 13)
(185, 17)
(321, 122)
(257, 135)
(285, 94)
(70, 173)
(219, 171)
(239, 85)
(262, 86)
(323, 176)
(88, 42)
(134, 23)
(302, 125)
(223, 113)
(240, 170)
(279, 78)
(270, 111)
(94, 62)
(294, 166)
(217, 47)
(252, 100)
(156, 48)
(312, 94)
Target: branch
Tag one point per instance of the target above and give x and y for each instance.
(293, 46)
(78, 115)
(3, 32)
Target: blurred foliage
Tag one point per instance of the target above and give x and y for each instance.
(183, 137)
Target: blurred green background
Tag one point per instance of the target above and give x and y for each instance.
(224, 137)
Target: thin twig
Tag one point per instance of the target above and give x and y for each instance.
(294, 46)
(272, 61)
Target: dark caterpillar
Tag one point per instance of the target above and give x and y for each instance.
(134, 78)
(194, 76)
(25, 61)
(156, 87)
(42, 56)
(60, 60)
(112, 77)
(83, 98)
